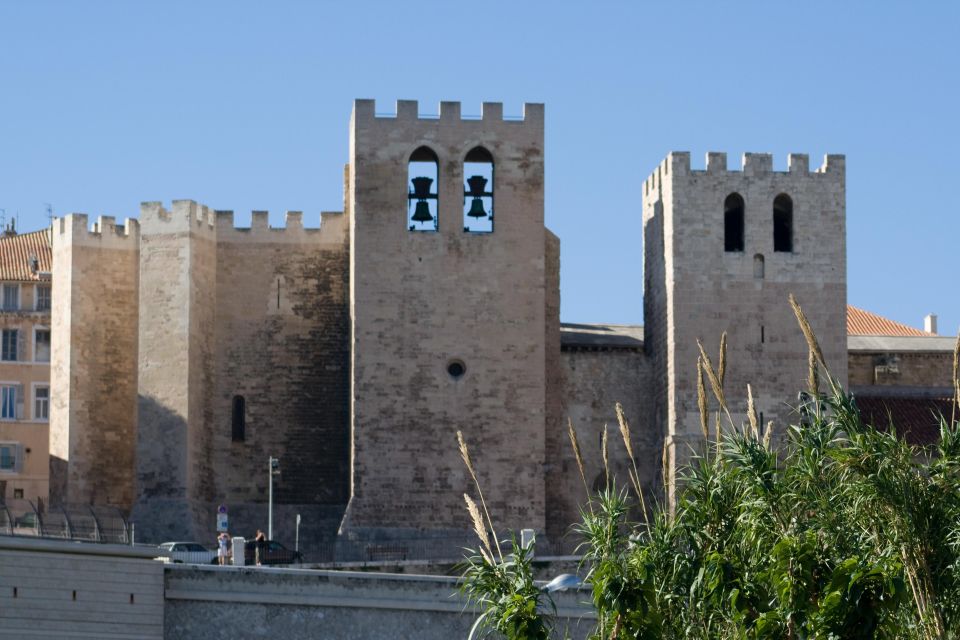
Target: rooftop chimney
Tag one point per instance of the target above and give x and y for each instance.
(930, 323)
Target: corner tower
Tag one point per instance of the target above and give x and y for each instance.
(722, 252)
(447, 322)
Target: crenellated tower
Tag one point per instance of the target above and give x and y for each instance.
(93, 364)
(722, 252)
(448, 316)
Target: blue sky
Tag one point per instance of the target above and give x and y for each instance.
(244, 105)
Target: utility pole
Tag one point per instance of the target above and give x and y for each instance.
(273, 469)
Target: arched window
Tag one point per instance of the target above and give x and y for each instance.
(478, 191)
(239, 419)
(733, 223)
(758, 270)
(783, 223)
(422, 185)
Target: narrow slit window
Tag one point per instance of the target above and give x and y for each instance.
(733, 223)
(478, 191)
(239, 419)
(758, 266)
(783, 223)
(422, 188)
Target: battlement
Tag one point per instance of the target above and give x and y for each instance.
(186, 214)
(332, 230)
(409, 111)
(751, 164)
(75, 228)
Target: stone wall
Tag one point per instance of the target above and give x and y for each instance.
(595, 379)
(93, 370)
(709, 290)
(421, 300)
(901, 368)
(259, 313)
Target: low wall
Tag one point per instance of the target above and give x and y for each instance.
(258, 602)
(61, 589)
(55, 589)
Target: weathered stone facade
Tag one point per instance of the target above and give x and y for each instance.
(187, 351)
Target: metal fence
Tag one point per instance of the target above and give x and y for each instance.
(92, 523)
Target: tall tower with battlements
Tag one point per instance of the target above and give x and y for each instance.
(448, 323)
(722, 252)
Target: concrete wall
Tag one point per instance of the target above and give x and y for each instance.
(709, 291)
(230, 603)
(420, 300)
(93, 369)
(63, 590)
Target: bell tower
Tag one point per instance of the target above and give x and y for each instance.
(447, 318)
(723, 250)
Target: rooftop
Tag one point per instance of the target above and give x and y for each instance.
(17, 254)
(864, 323)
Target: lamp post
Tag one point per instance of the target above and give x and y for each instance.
(273, 469)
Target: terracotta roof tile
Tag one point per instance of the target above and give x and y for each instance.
(917, 419)
(17, 253)
(864, 323)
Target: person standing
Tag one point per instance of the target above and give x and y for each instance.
(260, 546)
(223, 543)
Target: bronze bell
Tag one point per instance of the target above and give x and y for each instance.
(477, 185)
(421, 188)
(476, 209)
(422, 212)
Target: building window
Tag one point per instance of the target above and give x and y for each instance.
(733, 223)
(41, 403)
(11, 297)
(239, 419)
(9, 344)
(758, 268)
(8, 402)
(18, 494)
(783, 223)
(423, 187)
(478, 191)
(41, 345)
(9, 456)
(43, 297)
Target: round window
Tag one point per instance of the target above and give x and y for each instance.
(456, 369)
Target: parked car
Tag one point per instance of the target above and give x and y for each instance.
(271, 552)
(189, 552)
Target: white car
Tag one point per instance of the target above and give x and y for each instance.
(189, 553)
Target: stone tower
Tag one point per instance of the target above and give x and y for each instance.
(722, 252)
(448, 326)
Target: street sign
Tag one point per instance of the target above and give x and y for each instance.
(222, 509)
(221, 522)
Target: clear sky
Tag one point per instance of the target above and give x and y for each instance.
(245, 105)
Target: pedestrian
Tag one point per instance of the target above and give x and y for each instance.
(223, 542)
(260, 545)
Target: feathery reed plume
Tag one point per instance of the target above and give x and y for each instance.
(956, 379)
(716, 427)
(722, 364)
(768, 434)
(603, 453)
(634, 475)
(813, 374)
(702, 401)
(714, 381)
(577, 454)
(479, 528)
(807, 332)
(465, 454)
(752, 414)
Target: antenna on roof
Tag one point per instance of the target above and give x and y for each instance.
(49, 213)
(3, 218)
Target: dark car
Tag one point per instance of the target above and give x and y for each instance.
(271, 552)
